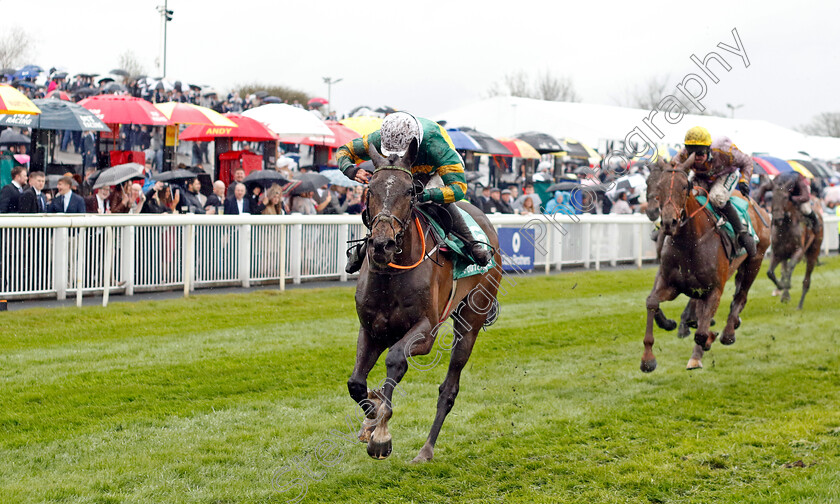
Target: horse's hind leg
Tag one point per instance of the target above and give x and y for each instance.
(688, 316)
(787, 271)
(466, 329)
(771, 271)
(663, 321)
(806, 282)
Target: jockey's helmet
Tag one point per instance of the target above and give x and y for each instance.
(397, 131)
(698, 140)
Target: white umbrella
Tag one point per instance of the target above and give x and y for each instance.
(832, 194)
(286, 120)
(631, 184)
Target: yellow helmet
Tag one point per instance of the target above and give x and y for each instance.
(698, 135)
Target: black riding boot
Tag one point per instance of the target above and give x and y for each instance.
(477, 250)
(744, 237)
(356, 257)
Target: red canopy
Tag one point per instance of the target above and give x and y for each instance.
(122, 109)
(247, 130)
(61, 95)
(341, 135)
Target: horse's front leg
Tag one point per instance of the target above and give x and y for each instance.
(368, 351)
(806, 282)
(417, 341)
(787, 271)
(771, 271)
(661, 292)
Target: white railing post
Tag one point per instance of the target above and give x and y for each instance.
(296, 252)
(549, 247)
(613, 230)
(187, 256)
(245, 255)
(61, 264)
(107, 264)
(640, 239)
(587, 245)
(597, 242)
(282, 257)
(343, 232)
(81, 240)
(128, 257)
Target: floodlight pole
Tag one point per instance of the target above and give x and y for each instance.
(733, 108)
(166, 17)
(329, 81)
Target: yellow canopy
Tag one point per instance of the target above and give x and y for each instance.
(363, 125)
(801, 169)
(187, 113)
(13, 101)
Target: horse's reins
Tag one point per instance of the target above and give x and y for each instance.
(678, 210)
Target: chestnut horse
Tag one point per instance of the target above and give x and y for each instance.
(790, 242)
(694, 263)
(403, 298)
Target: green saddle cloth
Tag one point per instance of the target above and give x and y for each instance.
(743, 208)
(463, 264)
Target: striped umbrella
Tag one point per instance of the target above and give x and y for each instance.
(763, 167)
(814, 168)
(13, 101)
(801, 169)
(579, 150)
(341, 135)
(780, 165)
(519, 148)
(187, 113)
(462, 141)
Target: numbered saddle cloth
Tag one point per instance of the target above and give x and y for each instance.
(463, 264)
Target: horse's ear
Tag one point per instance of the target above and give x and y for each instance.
(688, 162)
(662, 164)
(411, 154)
(375, 157)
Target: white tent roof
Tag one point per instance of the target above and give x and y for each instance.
(595, 124)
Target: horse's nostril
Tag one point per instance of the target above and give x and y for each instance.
(391, 245)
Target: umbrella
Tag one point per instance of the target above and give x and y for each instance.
(307, 182)
(339, 179)
(119, 174)
(13, 101)
(801, 169)
(86, 75)
(246, 130)
(261, 94)
(161, 85)
(265, 178)
(28, 72)
(105, 79)
(542, 142)
(119, 109)
(121, 73)
(363, 125)
(174, 175)
(317, 101)
(8, 71)
(57, 115)
(762, 167)
(519, 148)
(627, 183)
(488, 144)
(814, 168)
(832, 194)
(288, 120)
(114, 87)
(272, 99)
(571, 186)
(187, 113)
(59, 95)
(462, 141)
(59, 75)
(341, 135)
(86, 91)
(11, 137)
(780, 165)
(579, 150)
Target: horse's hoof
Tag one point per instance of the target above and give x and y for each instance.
(727, 339)
(669, 325)
(684, 331)
(648, 366)
(379, 450)
(693, 364)
(423, 456)
(785, 297)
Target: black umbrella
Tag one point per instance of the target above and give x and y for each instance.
(88, 75)
(571, 186)
(385, 109)
(114, 87)
(272, 99)
(174, 175)
(9, 137)
(265, 178)
(56, 115)
(489, 145)
(576, 150)
(106, 79)
(86, 91)
(119, 174)
(542, 142)
(60, 75)
(121, 73)
(315, 178)
(261, 94)
(8, 71)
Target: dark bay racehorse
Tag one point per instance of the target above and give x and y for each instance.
(694, 263)
(791, 241)
(402, 297)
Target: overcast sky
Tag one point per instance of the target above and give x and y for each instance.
(429, 57)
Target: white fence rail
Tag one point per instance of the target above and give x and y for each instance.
(55, 256)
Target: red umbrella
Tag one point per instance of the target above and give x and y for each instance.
(246, 130)
(317, 101)
(341, 135)
(57, 93)
(764, 166)
(122, 109)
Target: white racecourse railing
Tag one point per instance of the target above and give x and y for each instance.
(53, 256)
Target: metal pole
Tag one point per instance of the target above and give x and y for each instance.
(165, 22)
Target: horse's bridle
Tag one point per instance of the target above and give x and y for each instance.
(387, 216)
(681, 211)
